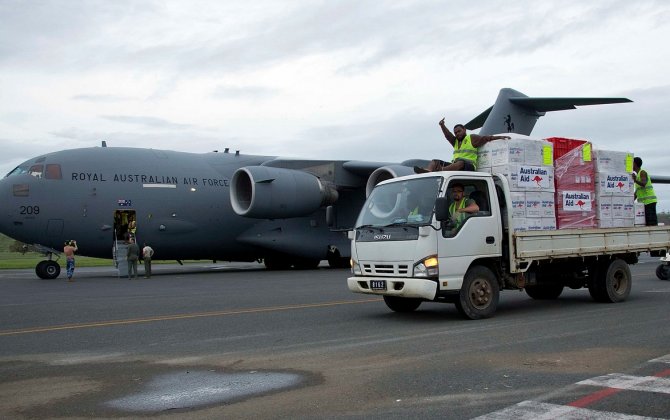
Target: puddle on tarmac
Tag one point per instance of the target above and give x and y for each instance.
(201, 388)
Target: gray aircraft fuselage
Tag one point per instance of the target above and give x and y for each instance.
(181, 203)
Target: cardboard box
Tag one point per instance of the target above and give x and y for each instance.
(615, 184)
(639, 214)
(613, 161)
(527, 177)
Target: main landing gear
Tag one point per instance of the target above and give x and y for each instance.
(663, 270)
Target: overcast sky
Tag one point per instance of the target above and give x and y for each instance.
(364, 80)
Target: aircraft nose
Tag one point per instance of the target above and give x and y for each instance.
(5, 212)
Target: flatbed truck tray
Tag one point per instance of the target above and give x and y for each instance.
(541, 245)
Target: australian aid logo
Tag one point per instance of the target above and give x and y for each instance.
(619, 183)
(534, 177)
(577, 201)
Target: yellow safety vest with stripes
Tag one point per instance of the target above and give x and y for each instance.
(459, 216)
(646, 194)
(465, 150)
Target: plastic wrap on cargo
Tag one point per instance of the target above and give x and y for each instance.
(575, 170)
(575, 209)
(574, 175)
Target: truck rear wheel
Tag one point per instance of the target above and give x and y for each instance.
(399, 304)
(479, 294)
(544, 291)
(612, 282)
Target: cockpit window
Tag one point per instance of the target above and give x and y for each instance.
(53, 171)
(18, 170)
(36, 170)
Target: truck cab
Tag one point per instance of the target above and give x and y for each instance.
(407, 246)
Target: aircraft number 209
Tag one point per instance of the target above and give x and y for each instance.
(29, 209)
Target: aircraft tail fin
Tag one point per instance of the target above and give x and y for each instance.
(514, 112)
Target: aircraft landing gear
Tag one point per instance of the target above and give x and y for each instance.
(335, 260)
(663, 270)
(47, 270)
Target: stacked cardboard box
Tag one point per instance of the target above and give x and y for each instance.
(614, 189)
(527, 163)
(575, 173)
(639, 214)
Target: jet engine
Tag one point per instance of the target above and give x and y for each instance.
(384, 173)
(263, 192)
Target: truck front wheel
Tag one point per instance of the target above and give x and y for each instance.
(612, 282)
(399, 304)
(479, 294)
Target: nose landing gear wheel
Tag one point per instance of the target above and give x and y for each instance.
(47, 270)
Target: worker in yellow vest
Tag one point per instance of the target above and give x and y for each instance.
(461, 208)
(644, 192)
(465, 150)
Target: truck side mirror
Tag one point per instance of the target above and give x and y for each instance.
(442, 209)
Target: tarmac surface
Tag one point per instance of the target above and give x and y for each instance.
(237, 341)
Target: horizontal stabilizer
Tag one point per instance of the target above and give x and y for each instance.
(479, 120)
(561, 104)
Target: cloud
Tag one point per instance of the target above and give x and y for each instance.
(152, 122)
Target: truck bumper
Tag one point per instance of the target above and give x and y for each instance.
(402, 287)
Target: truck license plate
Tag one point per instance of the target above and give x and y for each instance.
(378, 284)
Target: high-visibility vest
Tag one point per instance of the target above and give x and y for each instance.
(459, 216)
(646, 194)
(465, 150)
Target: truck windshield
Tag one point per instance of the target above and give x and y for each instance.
(407, 202)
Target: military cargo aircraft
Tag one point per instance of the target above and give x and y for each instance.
(214, 206)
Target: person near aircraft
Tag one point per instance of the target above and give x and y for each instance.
(132, 228)
(132, 255)
(461, 208)
(147, 253)
(644, 192)
(69, 249)
(465, 150)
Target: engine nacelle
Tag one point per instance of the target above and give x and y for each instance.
(264, 192)
(384, 173)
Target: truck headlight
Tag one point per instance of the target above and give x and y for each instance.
(355, 268)
(428, 267)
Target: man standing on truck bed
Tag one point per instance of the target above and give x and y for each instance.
(644, 193)
(465, 150)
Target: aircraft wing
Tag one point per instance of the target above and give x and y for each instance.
(363, 168)
(479, 120)
(660, 179)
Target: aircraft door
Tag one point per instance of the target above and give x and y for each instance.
(125, 225)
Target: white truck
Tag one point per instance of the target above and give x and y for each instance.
(406, 248)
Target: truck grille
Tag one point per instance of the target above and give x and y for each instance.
(397, 270)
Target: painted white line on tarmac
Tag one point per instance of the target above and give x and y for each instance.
(532, 410)
(631, 383)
